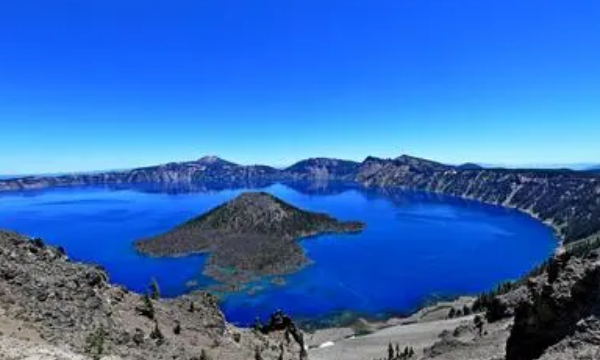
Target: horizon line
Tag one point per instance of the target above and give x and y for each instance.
(576, 166)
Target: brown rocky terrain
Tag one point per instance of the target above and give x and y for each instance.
(53, 308)
(559, 318)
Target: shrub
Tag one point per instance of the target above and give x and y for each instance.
(94, 343)
(451, 313)
(146, 308)
(496, 310)
(154, 290)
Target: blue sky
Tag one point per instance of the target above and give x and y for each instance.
(107, 84)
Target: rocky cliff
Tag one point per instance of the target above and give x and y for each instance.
(559, 317)
(55, 306)
(568, 200)
(322, 169)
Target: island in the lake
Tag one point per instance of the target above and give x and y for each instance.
(255, 234)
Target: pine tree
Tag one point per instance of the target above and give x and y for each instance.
(452, 313)
(154, 290)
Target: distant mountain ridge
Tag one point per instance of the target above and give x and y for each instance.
(594, 169)
(566, 199)
(323, 168)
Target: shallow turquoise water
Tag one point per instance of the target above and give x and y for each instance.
(415, 245)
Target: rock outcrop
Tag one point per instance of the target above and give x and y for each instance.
(71, 308)
(560, 318)
(254, 234)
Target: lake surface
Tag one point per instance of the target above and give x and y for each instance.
(415, 247)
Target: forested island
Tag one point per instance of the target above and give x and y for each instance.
(255, 234)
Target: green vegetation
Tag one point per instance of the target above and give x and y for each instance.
(455, 313)
(485, 300)
(154, 290)
(94, 343)
(394, 353)
(466, 310)
(584, 248)
(146, 308)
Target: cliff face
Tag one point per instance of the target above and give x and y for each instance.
(50, 300)
(568, 200)
(560, 316)
(322, 169)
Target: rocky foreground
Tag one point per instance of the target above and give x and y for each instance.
(53, 308)
(255, 234)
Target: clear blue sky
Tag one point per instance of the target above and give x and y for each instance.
(102, 84)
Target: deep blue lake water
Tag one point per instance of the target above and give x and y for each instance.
(416, 246)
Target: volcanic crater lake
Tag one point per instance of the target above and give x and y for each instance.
(415, 247)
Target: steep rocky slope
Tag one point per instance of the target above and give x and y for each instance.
(253, 234)
(50, 305)
(559, 318)
(568, 200)
(323, 168)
